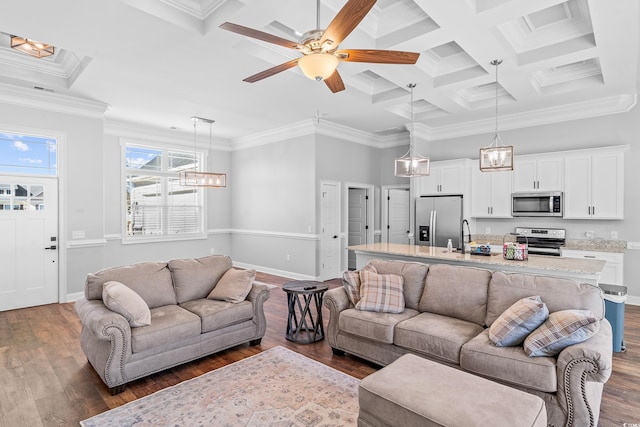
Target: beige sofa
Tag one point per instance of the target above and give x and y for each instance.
(184, 323)
(446, 319)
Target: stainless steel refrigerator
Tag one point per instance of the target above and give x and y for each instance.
(438, 219)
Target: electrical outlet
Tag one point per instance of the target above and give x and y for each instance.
(614, 235)
(78, 234)
(487, 230)
(588, 234)
(213, 251)
(288, 257)
(309, 229)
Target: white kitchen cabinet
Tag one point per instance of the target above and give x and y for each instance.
(446, 177)
(613, 270)
(491, 194)
(594, 184)
(538, 173)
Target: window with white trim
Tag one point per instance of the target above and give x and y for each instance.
(157, 206)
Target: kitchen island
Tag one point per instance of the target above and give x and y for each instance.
(582, 270)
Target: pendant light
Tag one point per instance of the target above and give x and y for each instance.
(412, 164)
(195, 178)
(496, 156)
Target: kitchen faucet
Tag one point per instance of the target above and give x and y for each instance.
(464, 221)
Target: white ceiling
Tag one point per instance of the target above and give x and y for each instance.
(156, 63)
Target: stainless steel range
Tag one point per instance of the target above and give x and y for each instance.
(542, 241)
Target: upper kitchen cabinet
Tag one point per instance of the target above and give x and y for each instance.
(538, 173)
(491, 194)
(446, 177)
(594, 184)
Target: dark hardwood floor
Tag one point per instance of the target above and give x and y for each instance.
(45, 380)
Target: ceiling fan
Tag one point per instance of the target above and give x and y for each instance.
(319, 48)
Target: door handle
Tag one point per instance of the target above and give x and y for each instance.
(52, 247)
(335, 236)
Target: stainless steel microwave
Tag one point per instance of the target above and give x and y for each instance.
(537, 204)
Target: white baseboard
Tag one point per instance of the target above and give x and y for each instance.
(275, 272)
(74, 296)
(633, 300)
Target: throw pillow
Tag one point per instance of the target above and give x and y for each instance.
(125, 301)
(351, 283)
(233, 286)
(518, 321)
(560, 330)
(381, 292)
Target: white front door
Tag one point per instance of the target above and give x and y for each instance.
(357, 222)
(330, 238)
(398, 227)
(29, 242)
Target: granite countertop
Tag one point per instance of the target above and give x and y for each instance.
(598, 245)
(537, 262)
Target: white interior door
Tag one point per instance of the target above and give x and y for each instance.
(330, 241)
(398, 216)
(357, 222)
(28, 247)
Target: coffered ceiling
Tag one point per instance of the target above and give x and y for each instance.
(156, 63)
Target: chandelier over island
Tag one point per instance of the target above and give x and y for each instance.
(412, 164)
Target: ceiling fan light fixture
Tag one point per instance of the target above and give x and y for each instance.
(318, 66)
(31, 47)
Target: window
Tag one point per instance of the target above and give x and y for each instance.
(157, 206)
(28, 155)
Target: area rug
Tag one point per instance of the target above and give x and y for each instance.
(275, 388)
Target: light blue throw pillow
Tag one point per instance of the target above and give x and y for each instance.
(516, 323)
(560, 330)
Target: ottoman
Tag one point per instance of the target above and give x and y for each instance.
(413, 391)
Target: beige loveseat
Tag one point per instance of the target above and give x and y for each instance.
(184, 323)
(448, 312)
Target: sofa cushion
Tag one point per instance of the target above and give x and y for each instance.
(508, 364)
(559, 294)
(560, 330)
(233, 286)
(169, 325)
(219, 314)
(413, 274)
(123, 300)
(372, 325)
(380, 292)
(456, 291)
(195, 278)
(150, 280)
(351, 283)
(518, 321)
(435, 335)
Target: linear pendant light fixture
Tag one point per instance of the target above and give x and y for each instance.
(32, 47)
(412, 164)
(195, 178)
(496, 156)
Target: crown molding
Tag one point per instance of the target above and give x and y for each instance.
(561, 113)
(141, 132)
(52, 101)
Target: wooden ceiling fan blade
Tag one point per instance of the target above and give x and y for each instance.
(377, 56)
(346, 21)
(260, 35)
(271, 71)
(334, 82)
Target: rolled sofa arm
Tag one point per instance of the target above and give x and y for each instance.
(582, 370)
(336, 300)
(258, 295)
(105, 340)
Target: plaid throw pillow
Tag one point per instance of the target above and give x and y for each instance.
(381, 292)
(560, 330)
(351, 283)
(513, 326)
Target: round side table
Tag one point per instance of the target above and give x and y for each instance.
(304, 300)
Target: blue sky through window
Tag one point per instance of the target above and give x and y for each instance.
(32, 155)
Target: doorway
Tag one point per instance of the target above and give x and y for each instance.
(330, 227)
(358, 217)
(396, 214)
(29, 249)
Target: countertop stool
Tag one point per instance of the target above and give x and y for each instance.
(416, 392)
(304, 299)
